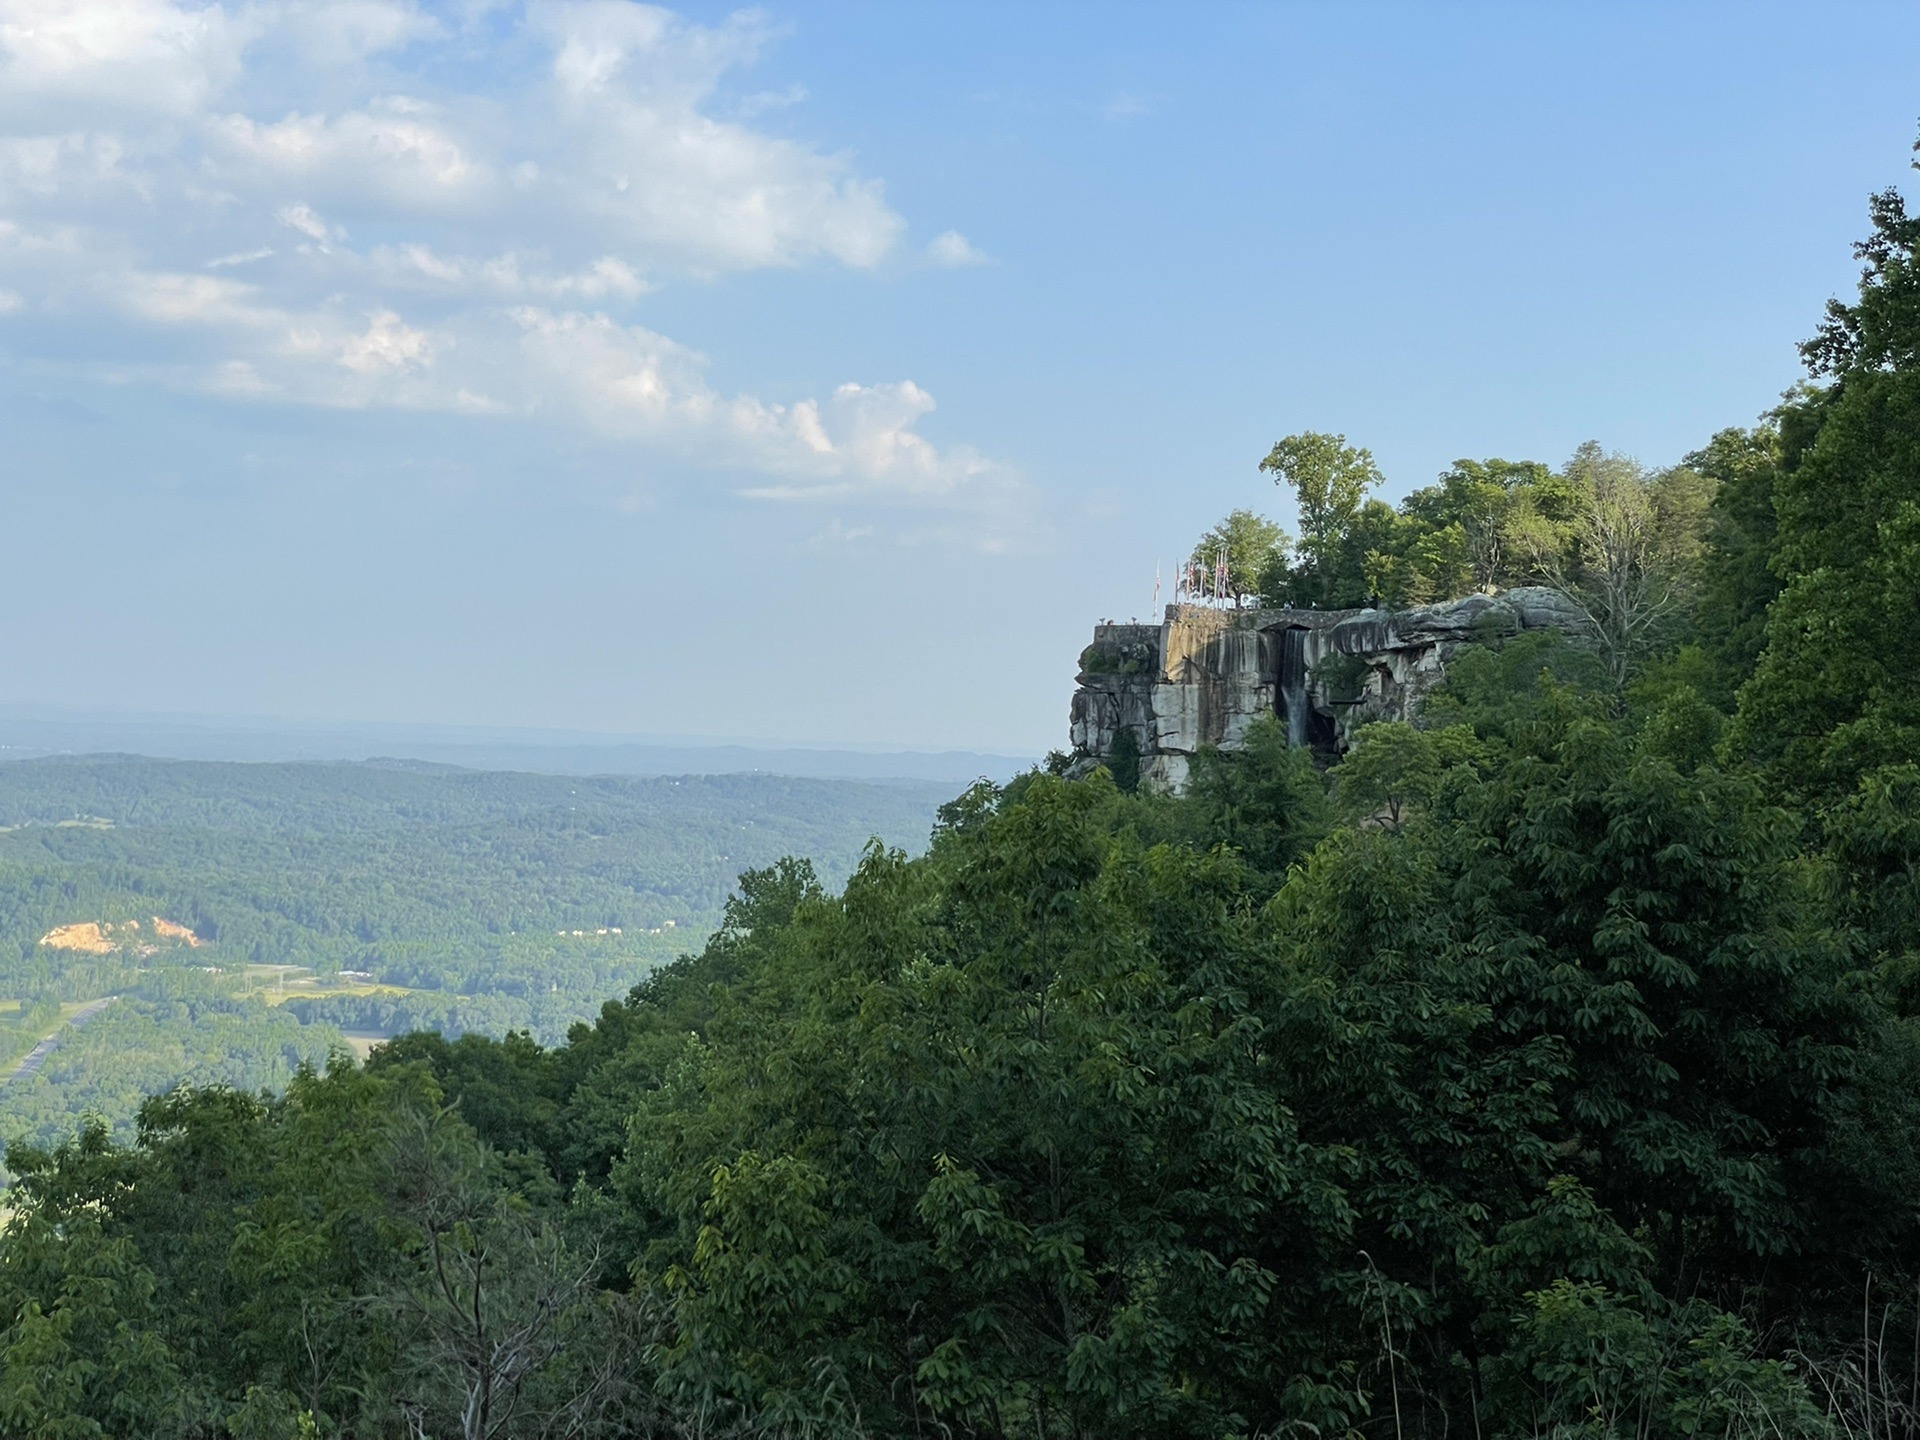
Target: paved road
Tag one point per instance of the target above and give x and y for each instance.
(37, 1056)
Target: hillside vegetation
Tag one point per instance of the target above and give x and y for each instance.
(252, 917)
(1547, 1069)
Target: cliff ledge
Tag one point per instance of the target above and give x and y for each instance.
(1203, 675)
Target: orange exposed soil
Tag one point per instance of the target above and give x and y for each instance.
(98, 937)
(90, 938)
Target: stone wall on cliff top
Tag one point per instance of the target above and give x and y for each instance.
(1204, 675)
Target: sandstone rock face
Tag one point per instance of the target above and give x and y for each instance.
(1202, 676)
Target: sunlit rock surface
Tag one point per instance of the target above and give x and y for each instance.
(1203, 675)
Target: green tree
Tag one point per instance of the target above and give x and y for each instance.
(1253, 546)
(83, 1352)
(1480, 527)
(1737, 582)
(1393, 768)
(1265, 799)
(1505, 1109)
(1625, 559)
(1479, 498)
(1503, 688)
(888, 1224)
(1837, 691)
(1329, 479)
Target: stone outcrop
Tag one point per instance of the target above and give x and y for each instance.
(1203, 675)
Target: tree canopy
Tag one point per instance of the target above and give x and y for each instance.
(1624, 544)
(1250, 545)
(1836, 691)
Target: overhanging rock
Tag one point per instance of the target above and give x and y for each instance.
(1204, 675)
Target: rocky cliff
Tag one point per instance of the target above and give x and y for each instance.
(1203, 675)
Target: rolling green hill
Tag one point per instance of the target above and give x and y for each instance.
(261, 910)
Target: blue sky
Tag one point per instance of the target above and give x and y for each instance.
(821, 373)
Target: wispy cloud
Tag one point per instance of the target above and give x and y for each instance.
(243, 257)
(762, 101)
(383, 239)
(303, 219)
(954, 250)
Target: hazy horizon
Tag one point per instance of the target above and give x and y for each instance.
(37, 732)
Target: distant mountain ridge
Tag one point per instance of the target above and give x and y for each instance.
(31, 732)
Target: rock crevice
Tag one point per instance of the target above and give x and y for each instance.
(1202, 676)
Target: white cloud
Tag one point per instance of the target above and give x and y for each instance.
(863, 441)
(606, 276)
(393, 152)
(172, 299)
(649, 164)
(302, 218)
(113, 60)
(628, 380)
(75, 167)
(243, 257)
(471, 403)
(116, 57)
(462, 247)
(952, 249)
(388, 344)
(879, 421)
(508, 276)
(611, 144)
(342, 31)
(321, 355)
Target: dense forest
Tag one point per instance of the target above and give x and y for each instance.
(1549, 1067)
(248, 918)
